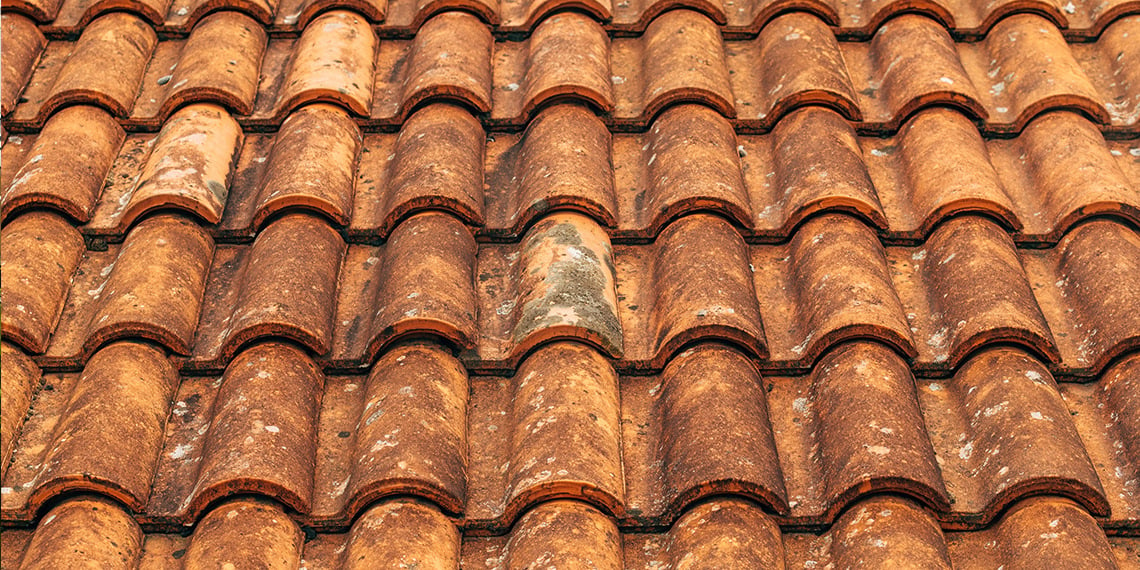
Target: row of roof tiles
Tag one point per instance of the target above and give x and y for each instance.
(881, 532)
(485, 449)
(1022, 68)
(968, 286)
(1059, 171)
(964, 18)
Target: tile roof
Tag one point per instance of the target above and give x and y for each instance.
(671, 284)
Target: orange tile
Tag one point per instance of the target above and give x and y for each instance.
(21, 378)
(23, 45)
(41, 252)
(85, 530)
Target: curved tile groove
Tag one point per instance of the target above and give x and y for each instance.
(402, 532)
(435, 163)
(23, 44)
(449, 60)
(21, 379)
(151, 287)
(284, 285)
(561, 161)
(694, 284)
(567, 57)
(40, 252)
(314, 72)
(421, 282)
(523, 15)
(1004, 433)
(85, 530)
(185, 14)
(967, 288)
(557, 284)
(189, 168)
(67, 164)
(102, 433)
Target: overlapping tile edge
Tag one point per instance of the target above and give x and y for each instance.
(597, 524)
(404, 18)
(877, 84)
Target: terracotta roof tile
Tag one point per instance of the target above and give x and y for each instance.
(23, 45)
(21, 378)
(118, 406)
(65, 164)
(149, 287)
(40, 251)
(686, 283)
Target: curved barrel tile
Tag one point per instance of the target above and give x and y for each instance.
(23, 44)
(828, 173)
(74, 15)
(67, 164)
(151, 287)
(523, 15)
(567, 57)
(185, 14)
(108, 437)
(21, 379)
(402, 533)
(937, 167)
(245, 532)
(262, 432)
(967, 288)
(42, 11)
(85, 530)
(220, 63)
(575, 534)
(41, 252)
(688, 161)
(795, 62)
(449, 59)
(284, 285)
(190, 166)
(680, 58)
(105, 68)
(1087, 286)
(411, 435)
(421, 282)
(715, 436)
(406, 16)
(1004, 433)
(694, 284)
(297, 14)
(886, 532)
(436, 162)
(311, 166)
(562, 161)
(333, 61)
(1034, 70)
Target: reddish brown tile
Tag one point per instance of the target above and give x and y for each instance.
(699, 429)
(1040, 532)
(726, 532)
(967, 288)
(829, 284)
(333, 61)
(681, 58)
(449, 59)
(149, 288)
(38, 10)
(557, 284)
(85, 530)
(21, 379)
(23, 44)
(550, 431)
(104, 68)
(694, 284)
(66, 165)
(311, 166)
(1107, 416)
(189, 168)
(420, 283)
(1003, 432)
(219, 63)
(523, 15)
(688, 161)
(436, 163)
(245, 532)
(40, 254)
(1112, 66)
(296, 14)
(796, 61)
(562, 161)
(1087, 287)
(832, 453)
(283, 286)
(400, 533)
(406, 16)
(572, 533)
(99, 431)
(567, 57)
(185, 14)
